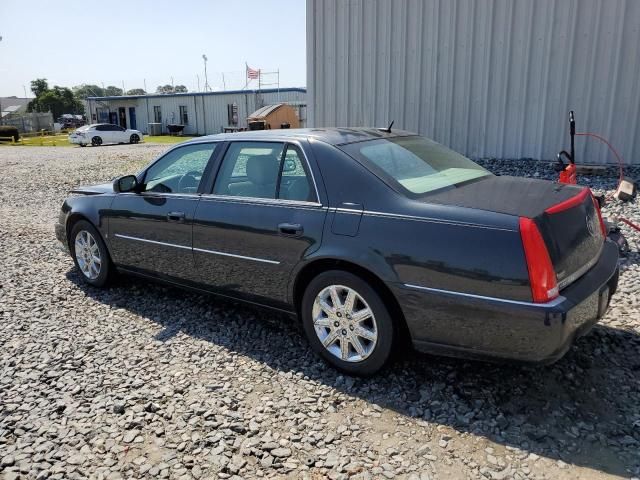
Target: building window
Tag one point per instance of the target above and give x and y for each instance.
(157, 114)
(184, 116)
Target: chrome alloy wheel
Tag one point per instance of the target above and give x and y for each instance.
(344, 323)
(88, 255)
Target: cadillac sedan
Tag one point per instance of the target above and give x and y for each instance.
(371, 237)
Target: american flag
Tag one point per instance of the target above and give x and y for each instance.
(252, 74)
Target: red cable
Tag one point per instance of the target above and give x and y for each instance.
(604, 140)
(620, 166)
(630, 223)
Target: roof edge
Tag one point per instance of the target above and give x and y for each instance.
(186, 94)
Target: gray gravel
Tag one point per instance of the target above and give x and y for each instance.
(143, 380)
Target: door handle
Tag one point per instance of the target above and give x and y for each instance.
(175, 217)
(291, 229)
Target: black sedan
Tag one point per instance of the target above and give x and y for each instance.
(368, 236)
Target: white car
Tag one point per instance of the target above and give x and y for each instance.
(100, 133)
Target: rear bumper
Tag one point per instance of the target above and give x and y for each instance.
(473, 326)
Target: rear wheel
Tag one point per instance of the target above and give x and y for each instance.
(96, 141)
(83, 144)
(347, 323)
(134, 138)
(90, 254)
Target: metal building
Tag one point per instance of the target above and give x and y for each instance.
(200, 113)
(489, 78)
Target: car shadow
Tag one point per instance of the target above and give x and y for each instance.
(578, 410)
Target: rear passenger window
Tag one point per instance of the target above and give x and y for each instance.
(294, 182)
(250, 169)
(260, 170)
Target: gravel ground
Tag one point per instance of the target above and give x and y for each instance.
(143, 380)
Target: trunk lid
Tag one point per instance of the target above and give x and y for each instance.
(565, 215)
(573, 236)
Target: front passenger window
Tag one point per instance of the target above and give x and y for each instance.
(180, 170)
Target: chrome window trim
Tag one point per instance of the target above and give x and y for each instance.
(160, 194)
(128, 237)
(233, 255)
(556, 301)
(286, 143)
(261, 201)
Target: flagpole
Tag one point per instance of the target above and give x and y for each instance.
(246, 75)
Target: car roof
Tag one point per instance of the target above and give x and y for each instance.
(333, 136)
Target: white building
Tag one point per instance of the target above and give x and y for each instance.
(489, 78)
(201, 113)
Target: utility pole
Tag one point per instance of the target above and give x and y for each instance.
(206, 81)
(224, 84)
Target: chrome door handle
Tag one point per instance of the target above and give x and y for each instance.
(175, 217)
(290, 229)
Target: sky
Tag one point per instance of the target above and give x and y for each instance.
(138, 41)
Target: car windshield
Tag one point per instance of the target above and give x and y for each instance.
(416, 164)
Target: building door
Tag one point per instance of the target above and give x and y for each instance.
(122, 117)
(132, 118)
(113, 118)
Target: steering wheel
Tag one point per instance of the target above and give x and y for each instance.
(189, 180)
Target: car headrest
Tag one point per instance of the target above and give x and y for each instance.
(262, 169)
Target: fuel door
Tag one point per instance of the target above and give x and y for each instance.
(346, 219)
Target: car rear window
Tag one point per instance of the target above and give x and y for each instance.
(416, 165)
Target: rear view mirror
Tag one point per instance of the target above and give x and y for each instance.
(128, 183)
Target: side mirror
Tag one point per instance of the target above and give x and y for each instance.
(128, 183)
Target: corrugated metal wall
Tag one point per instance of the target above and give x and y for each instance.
(207, 113)
(489, 78)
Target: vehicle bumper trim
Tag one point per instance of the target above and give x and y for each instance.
(552, 303)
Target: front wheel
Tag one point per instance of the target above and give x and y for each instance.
(134, 138)
(347, 323)
(90, 254)
(96, 141)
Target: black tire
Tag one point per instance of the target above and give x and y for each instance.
(83, 144)
(106, 267)
(96, 141)
(382, 349)
(134, 138)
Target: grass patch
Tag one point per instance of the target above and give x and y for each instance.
(62, 140)
(167, 139)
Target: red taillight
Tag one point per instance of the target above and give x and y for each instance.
(570, 203)
(596, 205)
(542, 277)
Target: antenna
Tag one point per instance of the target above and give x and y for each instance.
(388, 129)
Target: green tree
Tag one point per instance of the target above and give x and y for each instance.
(112, 91)
(164, 89)
(88, 90)
(57, 100)
(136, 91)
(39, 86)
(180, 89)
